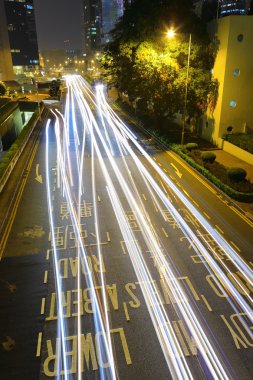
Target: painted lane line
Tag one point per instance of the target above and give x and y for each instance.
(126, 311)
(206, 215)
(143, 196)
(165, 233)
(45, 276)
(38, 352)
(219, 229)
(206, 302)
(235, 246)
(42, 309)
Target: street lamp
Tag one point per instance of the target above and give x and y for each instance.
(171, 34)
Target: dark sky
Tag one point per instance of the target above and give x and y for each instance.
(58, 20)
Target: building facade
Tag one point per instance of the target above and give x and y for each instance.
(100, 17)
(234, 71)
(92, 25)
(112, 10)
(6, 68)
(234, 7)
(22, 35)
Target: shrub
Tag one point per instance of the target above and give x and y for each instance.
(191, 146)
(208, 157)
(236, 174)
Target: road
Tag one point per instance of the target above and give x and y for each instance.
(119, 261)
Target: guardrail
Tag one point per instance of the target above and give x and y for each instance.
(7, 172)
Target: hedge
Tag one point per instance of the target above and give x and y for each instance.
(237, 195)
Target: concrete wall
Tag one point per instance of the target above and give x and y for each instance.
(238, 152)
(233, 54)
(13, 117)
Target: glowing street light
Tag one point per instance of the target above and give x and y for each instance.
(171, 33)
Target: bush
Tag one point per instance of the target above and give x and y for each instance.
(191, 146)
(236, 174)
(208, 157)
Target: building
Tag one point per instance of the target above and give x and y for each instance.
(92, 18)
(100, 17)
(22, 35)
(234, 71)
(112, 10)
(6, 68)
(234, 7)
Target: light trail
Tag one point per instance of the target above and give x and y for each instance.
(105, 350)
(114, 139)
(215, 366)
(61, 324)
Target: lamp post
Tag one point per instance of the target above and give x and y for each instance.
(186, 88)
(171, 34)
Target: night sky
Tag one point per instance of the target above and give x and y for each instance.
(58, 20)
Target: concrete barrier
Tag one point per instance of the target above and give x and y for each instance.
(238, 152)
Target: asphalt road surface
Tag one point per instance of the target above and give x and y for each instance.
(119, 261)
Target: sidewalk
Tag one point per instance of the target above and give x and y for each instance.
(229, 160)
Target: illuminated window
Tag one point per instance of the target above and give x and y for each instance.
(232, 103)
(240, 37)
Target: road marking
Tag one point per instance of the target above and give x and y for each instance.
(42, 309)
(45, 276)
(219, 229)
(53, 197)
(159, 163)
(108, 236)
(16, 203)
(235, 246)
(208, 217)
(178, 173)
(126, 311)
(47, 255)
(165, 233)
(156, 209)
(251, 263)
(166, 171)
(143, 196)
(241, 216)
(186, 193)
(38, 176)
(99, 200)
(164, 188)
(206, 302)
(154, 158)
(192, 172)
(38, 352)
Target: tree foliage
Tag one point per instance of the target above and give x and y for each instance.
(3, 88)
(142, 62)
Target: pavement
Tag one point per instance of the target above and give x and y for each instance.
(229, 160)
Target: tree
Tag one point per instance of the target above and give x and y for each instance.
(143, 63)
(3, 88)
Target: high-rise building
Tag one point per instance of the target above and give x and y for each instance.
(6, 68)
(92, 17)
(22, 35)
(100, 17)
(112, 10)
(233, 7)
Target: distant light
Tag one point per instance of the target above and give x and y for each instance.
(171, 33)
